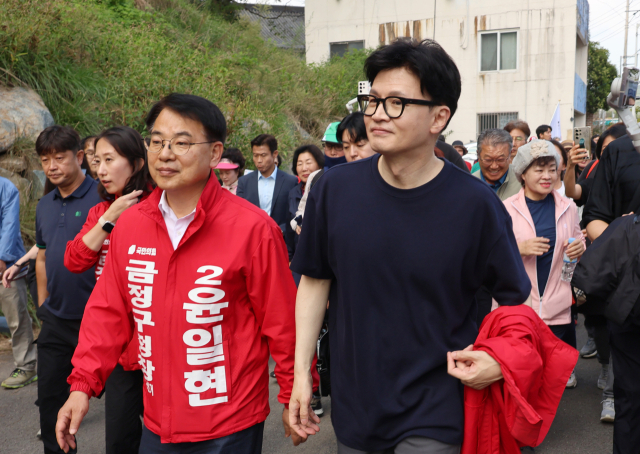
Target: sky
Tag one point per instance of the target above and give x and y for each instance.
(606, 25)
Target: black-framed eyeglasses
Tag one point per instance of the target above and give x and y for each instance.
(392, 105)
(179, 145)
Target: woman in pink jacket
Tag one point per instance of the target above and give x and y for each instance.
(543, 223)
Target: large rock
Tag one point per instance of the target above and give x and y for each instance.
(22, 114)
(23, 185)
(14, 163)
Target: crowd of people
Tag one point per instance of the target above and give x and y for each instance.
(166, 274)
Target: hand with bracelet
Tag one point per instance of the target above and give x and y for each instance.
(14, 269)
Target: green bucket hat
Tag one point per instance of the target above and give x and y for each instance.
(330, 133)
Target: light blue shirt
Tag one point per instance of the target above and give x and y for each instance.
(11, 247)
(265, 190)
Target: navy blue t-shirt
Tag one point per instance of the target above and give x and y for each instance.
(58, 221)
(405, 266)
(543, 213)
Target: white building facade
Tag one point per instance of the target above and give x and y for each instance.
(517, 59)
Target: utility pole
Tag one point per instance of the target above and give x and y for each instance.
(435, 2)
(626, 34)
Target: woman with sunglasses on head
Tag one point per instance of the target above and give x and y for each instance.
(124, 179)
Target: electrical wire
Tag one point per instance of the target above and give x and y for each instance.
(607, 16)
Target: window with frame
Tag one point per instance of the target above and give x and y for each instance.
(339, 49)
(495, 120)
(499, 51)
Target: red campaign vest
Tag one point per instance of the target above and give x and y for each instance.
(206, 315)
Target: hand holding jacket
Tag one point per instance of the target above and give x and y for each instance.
(517, 411)
(475, 369)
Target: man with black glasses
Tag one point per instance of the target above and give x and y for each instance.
(402, 289)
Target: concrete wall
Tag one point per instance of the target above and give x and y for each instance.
(550, 51)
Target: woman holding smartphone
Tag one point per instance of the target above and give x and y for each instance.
(124, 179)
(579, 191)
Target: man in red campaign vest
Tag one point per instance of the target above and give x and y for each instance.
(201, 277)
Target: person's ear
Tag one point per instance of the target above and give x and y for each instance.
(139, 164)
(80, 157)
(440, 119)
(274, 154)
(217, 149)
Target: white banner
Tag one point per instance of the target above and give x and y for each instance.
(556, 130)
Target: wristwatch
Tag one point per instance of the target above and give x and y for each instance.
(107, 226)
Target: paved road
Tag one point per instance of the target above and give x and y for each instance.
(577, 427)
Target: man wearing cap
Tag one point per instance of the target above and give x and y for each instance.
(268, 188)
(462, 150)
(333, 150)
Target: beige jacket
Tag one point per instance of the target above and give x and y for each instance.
(510, 187)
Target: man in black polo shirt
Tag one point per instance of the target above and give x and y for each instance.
(62, 295)
(402, 290)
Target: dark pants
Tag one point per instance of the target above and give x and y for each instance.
(597, 324)
(566, 333)
(410, 445)
(625, 354)
(123, 408)
(56, 344)
(248, 441)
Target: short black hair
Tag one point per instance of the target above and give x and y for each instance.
(265, 139)
(56, 138)
(542, 129)
(354, 124)
(315, 152)
(84, 141)
(195, 108)
(436, 70)
(234, 155)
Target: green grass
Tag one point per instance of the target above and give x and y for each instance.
(101, 63)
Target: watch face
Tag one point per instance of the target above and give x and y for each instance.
(108, 227)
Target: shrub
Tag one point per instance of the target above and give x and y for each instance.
(98, 63)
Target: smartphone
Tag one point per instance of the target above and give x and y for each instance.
(582, 137)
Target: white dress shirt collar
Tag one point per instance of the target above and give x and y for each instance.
(176, 227)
